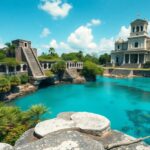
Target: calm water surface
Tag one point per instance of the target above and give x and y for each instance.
(126, 102)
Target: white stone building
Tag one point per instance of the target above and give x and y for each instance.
(136, 50)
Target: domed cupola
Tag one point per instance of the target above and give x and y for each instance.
(139, 27)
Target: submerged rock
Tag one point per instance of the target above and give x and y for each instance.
(4, 146)
(64, 140)
(52, 125)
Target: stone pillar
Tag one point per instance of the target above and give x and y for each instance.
(15, 71)
(47, 65)
(138, 59)
(129, 58)
(124, 59)
(7, 70)
(21, 68)
(144, 59)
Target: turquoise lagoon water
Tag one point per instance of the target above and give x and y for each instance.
(126, 102)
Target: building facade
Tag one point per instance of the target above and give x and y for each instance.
(136, 50)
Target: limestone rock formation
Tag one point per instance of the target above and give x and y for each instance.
(74, 131)
(4, 146)
(64, 140)
(52, 125)
(91, 123)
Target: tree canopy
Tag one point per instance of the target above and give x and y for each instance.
(90, 70)
(14, 122)
(104, 59)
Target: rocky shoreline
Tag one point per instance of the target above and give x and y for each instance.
(75, 131)
(22, 91)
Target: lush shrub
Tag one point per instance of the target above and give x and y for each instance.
(15, 81)
(104, 59)
(14, 121)
(49, 73)
(59, 69)
(4, 85)
(147, 64)
(24, 78)
(90, 70)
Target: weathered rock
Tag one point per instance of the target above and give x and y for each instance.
(26, 138)
(52, 125)
(4, 146)
(65, 115)
(91, 123)
(64, 140)
(116, 137)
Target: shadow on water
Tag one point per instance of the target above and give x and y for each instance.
(140, 120)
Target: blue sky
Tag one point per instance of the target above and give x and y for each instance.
(70, 25)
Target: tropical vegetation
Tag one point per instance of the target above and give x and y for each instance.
(59, 69)
(14, 122)
(90, 70)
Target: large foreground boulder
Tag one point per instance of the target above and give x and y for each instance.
(91, 123)
(64, 140)
(27, 137)
(52, 125)
(4, 146)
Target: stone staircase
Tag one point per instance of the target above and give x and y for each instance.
(122, 72)
(72, 73)
(130, 66)
(33, 63)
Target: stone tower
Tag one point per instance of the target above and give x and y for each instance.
(138, 35)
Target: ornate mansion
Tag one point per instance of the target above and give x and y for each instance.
(134, 52)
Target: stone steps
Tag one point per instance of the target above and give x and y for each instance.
(33, 63)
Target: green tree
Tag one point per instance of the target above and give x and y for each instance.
(4, 85)
(52, 51)
(90, 70)
(14, 121)
(14, 81)
(24, 78)
(104, 59)
(10, 50)
(59, 69)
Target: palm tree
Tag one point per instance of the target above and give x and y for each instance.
(36, 111)
(10, 50)
(52, 51)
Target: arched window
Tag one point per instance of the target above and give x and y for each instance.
(137, 29)
(18, 68)
(24, 67)
(45, 66)
(136, 44)
(133, 29)
(141, 28)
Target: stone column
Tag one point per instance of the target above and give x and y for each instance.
(15, 70)
(144, 59)
(124, 59)
(129, 59)
(138, 59)
(7, 70)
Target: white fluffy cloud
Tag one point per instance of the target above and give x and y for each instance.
(45, 32)
(106, 45)
(56, 8)
(81, 38)
(94, 22)
(2, 45)
(124, 32)
(53, 43)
